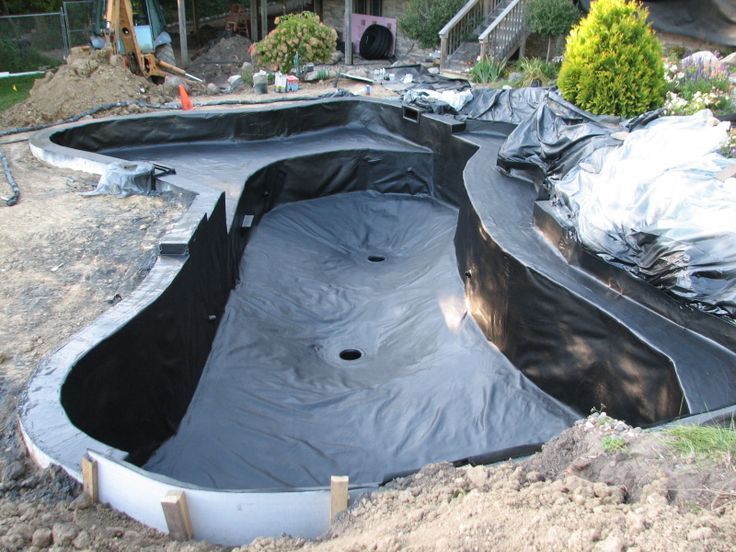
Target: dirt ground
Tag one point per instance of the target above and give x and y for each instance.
(65, 258)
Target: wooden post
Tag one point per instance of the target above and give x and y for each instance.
(443, 51)
(338, 495)
(89, 478)
(348, 32)
(254, 21)
(264, 18)
(177, 517)
(183, 44)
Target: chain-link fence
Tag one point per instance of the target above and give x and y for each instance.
(42, 40)
(78, 18)
(34, 41)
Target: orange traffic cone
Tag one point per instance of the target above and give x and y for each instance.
(186, 103)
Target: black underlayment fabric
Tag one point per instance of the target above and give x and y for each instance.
(368, 275)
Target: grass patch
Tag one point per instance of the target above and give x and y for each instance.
(713, 442)
(612, 444)
(14, 90)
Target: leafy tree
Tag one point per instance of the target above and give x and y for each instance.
(551, 18)
(424, 19)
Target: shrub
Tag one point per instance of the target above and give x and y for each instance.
(537, 69)
(487, 70)
(613, 62)
(424, 19)
(551, 18)
(298, 34)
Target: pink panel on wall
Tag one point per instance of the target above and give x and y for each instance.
(361, 22)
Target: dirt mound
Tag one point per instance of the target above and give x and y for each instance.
(600, 486)
(222, 60)
(88, 80)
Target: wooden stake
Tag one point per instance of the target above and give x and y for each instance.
(338, 495)
(176, 512)
(89, 478)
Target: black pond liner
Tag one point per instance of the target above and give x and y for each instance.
(270, 348)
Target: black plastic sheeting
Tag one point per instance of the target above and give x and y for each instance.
(360, 274)
(513, 106)
(708, 20)
(569, 330)
(557, 135)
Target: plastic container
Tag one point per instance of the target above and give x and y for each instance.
(260, 82)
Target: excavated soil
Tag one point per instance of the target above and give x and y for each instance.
(571, 496)
(87, 81)
(223, 59)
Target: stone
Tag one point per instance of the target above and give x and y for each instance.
(478, 476)
(534, 476)
(699, 534)
(212, 88)
(434, 70)
(82, 502)
(336, 57)
(13, 471)
(706, 59)
(172, 82)
(82, 541)
(23, 531)
(63, 533)
(247, 66)
(235, 83)
(41, 537)
(515, 76)
(613, 543)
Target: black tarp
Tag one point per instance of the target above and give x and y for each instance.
(708, 20)
(572, 334)
(278, 407)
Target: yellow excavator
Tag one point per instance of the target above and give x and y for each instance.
(135, 29)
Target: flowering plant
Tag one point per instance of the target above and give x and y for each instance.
(297, 35)
(696, 85)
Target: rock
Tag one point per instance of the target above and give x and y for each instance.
(82, 541)
(114, 532)
(41, 537)
(336, 57)
(247, 66)
(515, 76)
(434, 70)
(699, 534)
(235, 83)
(613, 543)
(82, 502)
(534, 476)
(13, 471)
(212, 88)
(172, 82)
(706, 59)
(23, 531)
(63, 533)
(84, 67)
(478, 476)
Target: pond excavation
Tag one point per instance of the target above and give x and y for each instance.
(355, 290)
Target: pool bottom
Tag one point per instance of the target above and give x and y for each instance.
(346, 348)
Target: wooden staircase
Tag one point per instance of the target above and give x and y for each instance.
(494, 28)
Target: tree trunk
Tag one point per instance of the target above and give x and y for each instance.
(549, 47)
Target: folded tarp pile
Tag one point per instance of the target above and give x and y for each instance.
(648, 194)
